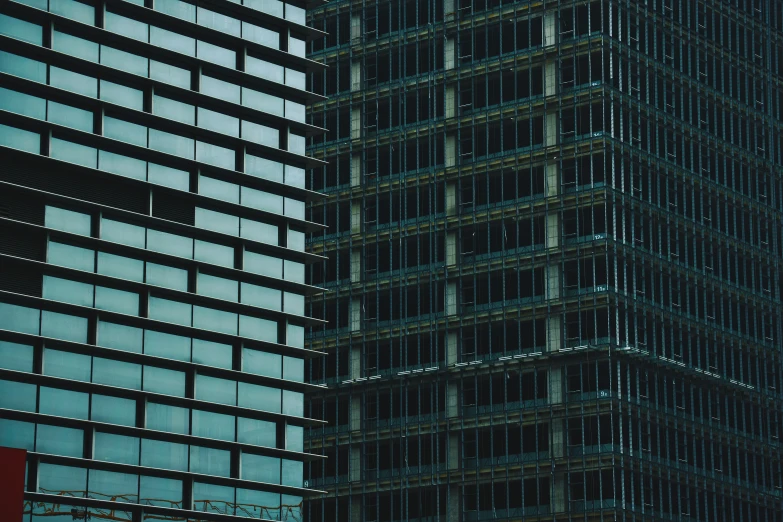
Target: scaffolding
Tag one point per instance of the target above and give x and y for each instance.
(553, 287)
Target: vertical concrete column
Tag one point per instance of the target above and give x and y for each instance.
(558, 438)
(454, 505)
(556, 385)
(554, 334)
(553, 179)
(451, 298)
(451, 102)
(448, 8)
(552, 228)
(452, 348)
(550, 27)
(356, 362)
(451, 199)
(356, 413)
(356, 216)
(355, 465)
(356, 509)
(450, 54)
(550, 78)
(451, 248)
(452, 400)
(356, 122)
(551, 128)
(356, 76)
(356, 314)
(356, 265)
(356, 27)
(559, 492)
(356, 170)
(450, 152)
(552, 287)
(454, 453)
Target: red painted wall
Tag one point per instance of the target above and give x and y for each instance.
(12, 483)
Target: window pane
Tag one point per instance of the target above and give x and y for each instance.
(260, 35)
(218, 189)
(122, 165)
(66, 327)
(260, 296)
(214, 253)
(260, 468)
(113, 410)
(167, 345)
(296, 143)
(166, 455)
(295, 14)
(55, 479)
(296, 46)
(71, 81)
(174, 110)
(64, 403)
(295, 111)
(262, 134)
(167, 382)
(216, 54)
(262, 363)
(218, 287)
(293, 403)
(19, 318)
(67, 291)
(74, 153)
(170, 244)
(120, 267)
(122, 95)
(116, 373)
(57, 440)
(215, 155)
(21, 30)
(262, 101)
(259, 397)
(170, 311)
(295, 336)
(70, 117)
(20, 103)
(293, 369)
(263, 265)
(168, 177)
(258, 329)
(263, 168)
(213, 498)
(212, 389)
(173, 419)
(17, 434)
(119, 232)
(167, 276)
(219, 22)
(213, 425)
(173, 41)
(116, 448)
(264, 69)
(219, 89)
(126, 61)
(74, 46)
(125, 26)
(218, 122)
(67, 365)
(296, 240)
(67, 221)
(294, 438)
(210, 461)
(70, 256)
(270, 502)
(125, 131)
(170, 74)
(291, 505)
(163, 492)
(217, 221)
(294, 303)
(171, 143)
(294, 271)
(117, 487)
(261, 232)
(293, 471)
(257, 432)
(17, 395)
(293, 207)
(20, 139)
(273, 7)
(177, 8)
(74, 10)
(212, 354)
(116, 300)
(14, 356)
(296, 79)
(119, 337)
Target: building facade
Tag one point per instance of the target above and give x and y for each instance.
(152, 254)
(553, 260)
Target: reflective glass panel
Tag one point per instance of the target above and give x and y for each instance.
(212, 389)
(167, 382)
(14, 356)
(212, 354)
(210, 461)
(113, 410)
(262, 363)
(116, 373)
(120, 337)
(71, 256)
(260, 468)
(120, 267)
(116, 448)
(163, 417)
(62, 326)
(259, 397)
(213, 425)
(67, 365)
(166, 455)
(167, 345)
(67, 221)
(257, 432)
(63, 403)
(58, 440)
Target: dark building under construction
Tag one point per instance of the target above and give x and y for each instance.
(553, 276)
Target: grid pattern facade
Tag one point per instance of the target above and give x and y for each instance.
(553, 260)
(152, 257)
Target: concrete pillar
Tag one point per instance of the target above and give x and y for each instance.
(550, 28)
(553, 179)
(356, 413)
(356, 170)
(451, 248)
(451, 102)
(452, 400)
(355, 466)
(554, 334)
(454, 507)
(450, 54)
(356, 509)
(450, 152)
(356, 217)
(552, 286)
(552, 229)
(356, 314)
(451, 298)
(454, 454)
(452, 348)
(448, 8)
(551, 129)
(356, 122)
(556, 385)
(558, 438)
(356, 265)
(559, 493)
(356, 362)
(550, 78)
(451, 199)
(356, 76)
(356, 28)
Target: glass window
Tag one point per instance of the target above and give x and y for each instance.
(262, 363)
(17, 395)
(67, 291)
(293, 471)
(74, 10)
(119, 337)
(170, 243)
(169, 177)
(294, 271)
(66, 327)
(122, 165)
(264, 265)
(167, 382)
(215, 320)
(67, 220)
(119, 487)
(75, 46)
(215, 155)
(167, 345)
(218, 122)
(291, 504)
(17, 434)
(64, 403)
(126, 61)
(264, 69)
(258, 329)
(295, 14)
(119, 232)
(296, 46)
(213, 425)
(262, 101)
(263, 201)
(263, 168)
(257, 432)
(270, 502)
(212, 354)
(293, 403)
(293, 369)
(163, 492)
(74, 153)
(122, 95)
(261, 35)
(174, 110)
(218, 287)
(294, 438)
(14, 356)
(296, 143)
(220, 89)
(259, 397)
(116, 373)
(296, 240)
(163, 417)
(21, 30)
(212, 389)
(177, 8)
(295, 336)
(296, 79)
(294, 303)
(261, 296)
(116, 448)
(71, 81)
(58, 440)
(171, 143)
(19, 318)
(295, 208)
(261, 134)
(260, 468)
(217, 221)
(218, 189)
(125, 131)
(166, 455)
(219, 22)
(120, 267)
(213, 498)
(273, 7)
(20, 103)
(55, 479)
(126, 26)
(294, 176)
(170, 74)
(214, 254)
(113, 410)
(257, 231)
(20, 139)
(116, 300)
(210, 461)
(294, 111)
(67, 365)
(216, 54)
(71, 256)
(173, 41)
(167, 276)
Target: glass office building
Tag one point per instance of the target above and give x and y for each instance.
(152, 256)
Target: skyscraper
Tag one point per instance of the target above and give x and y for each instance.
(554, 241)
(152, 234)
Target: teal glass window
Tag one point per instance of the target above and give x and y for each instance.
(174, 110)
(213, 389)
(293, 303)
(58, 440)
(63, 403)
(218, 287)
(116, 448)
(256, 432)
(167, 345)
(172, 419)
(262, 363)
(294, 208)
(259, 397)
(215, 155)
(210, 461)
(20, 139)
(21, 30)
(75, 46)
(270, 501)
(213, 425)
(213, 253)
(218, 189)
(264, 69)
(294, 271)
(262, 101)
(70, 256)
(296, 143)
(296, 240)
(217, 221)
(170, 311)
(171, 143)
(218, 122)
(108, 485)
(295, 14)
(74, 366)
(261, 296)
(167, 382)
(125, 26)
(116, 373)
(113, 410)
(295, 336)
(120, 267)
(293, 471)
(17, 395)
(261, 134)
(14, 356)
(260, 468)
(74, 10)
(122, 95)
(168, 177)
(167, 276)
(212, 354)
(120, 337)
(261, 35)
(157, 491)
(294, 111)
(55, 479)
(296, 79)
(219, 22)
(20, 103)
(296, 46)
(178, 8)
(257, 231)
(216, 54)
(263, 168)
(263, 265)
(17, 434)
(273, 7)
(67, 291)
(257, 328)
(124, 233)
(294, 176)
(74, 153)
(215, 320)
(294, 438)
(122, 165)
(19, 318)
(293, 403)
(125, 131)
(293, 369)
(173, 41)
(115, 300)
(214, 498)
(170, 244)
(220, 89)
(128, 62)
(71, 81)
(66, 327)
(166, 455)
(170, 74)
